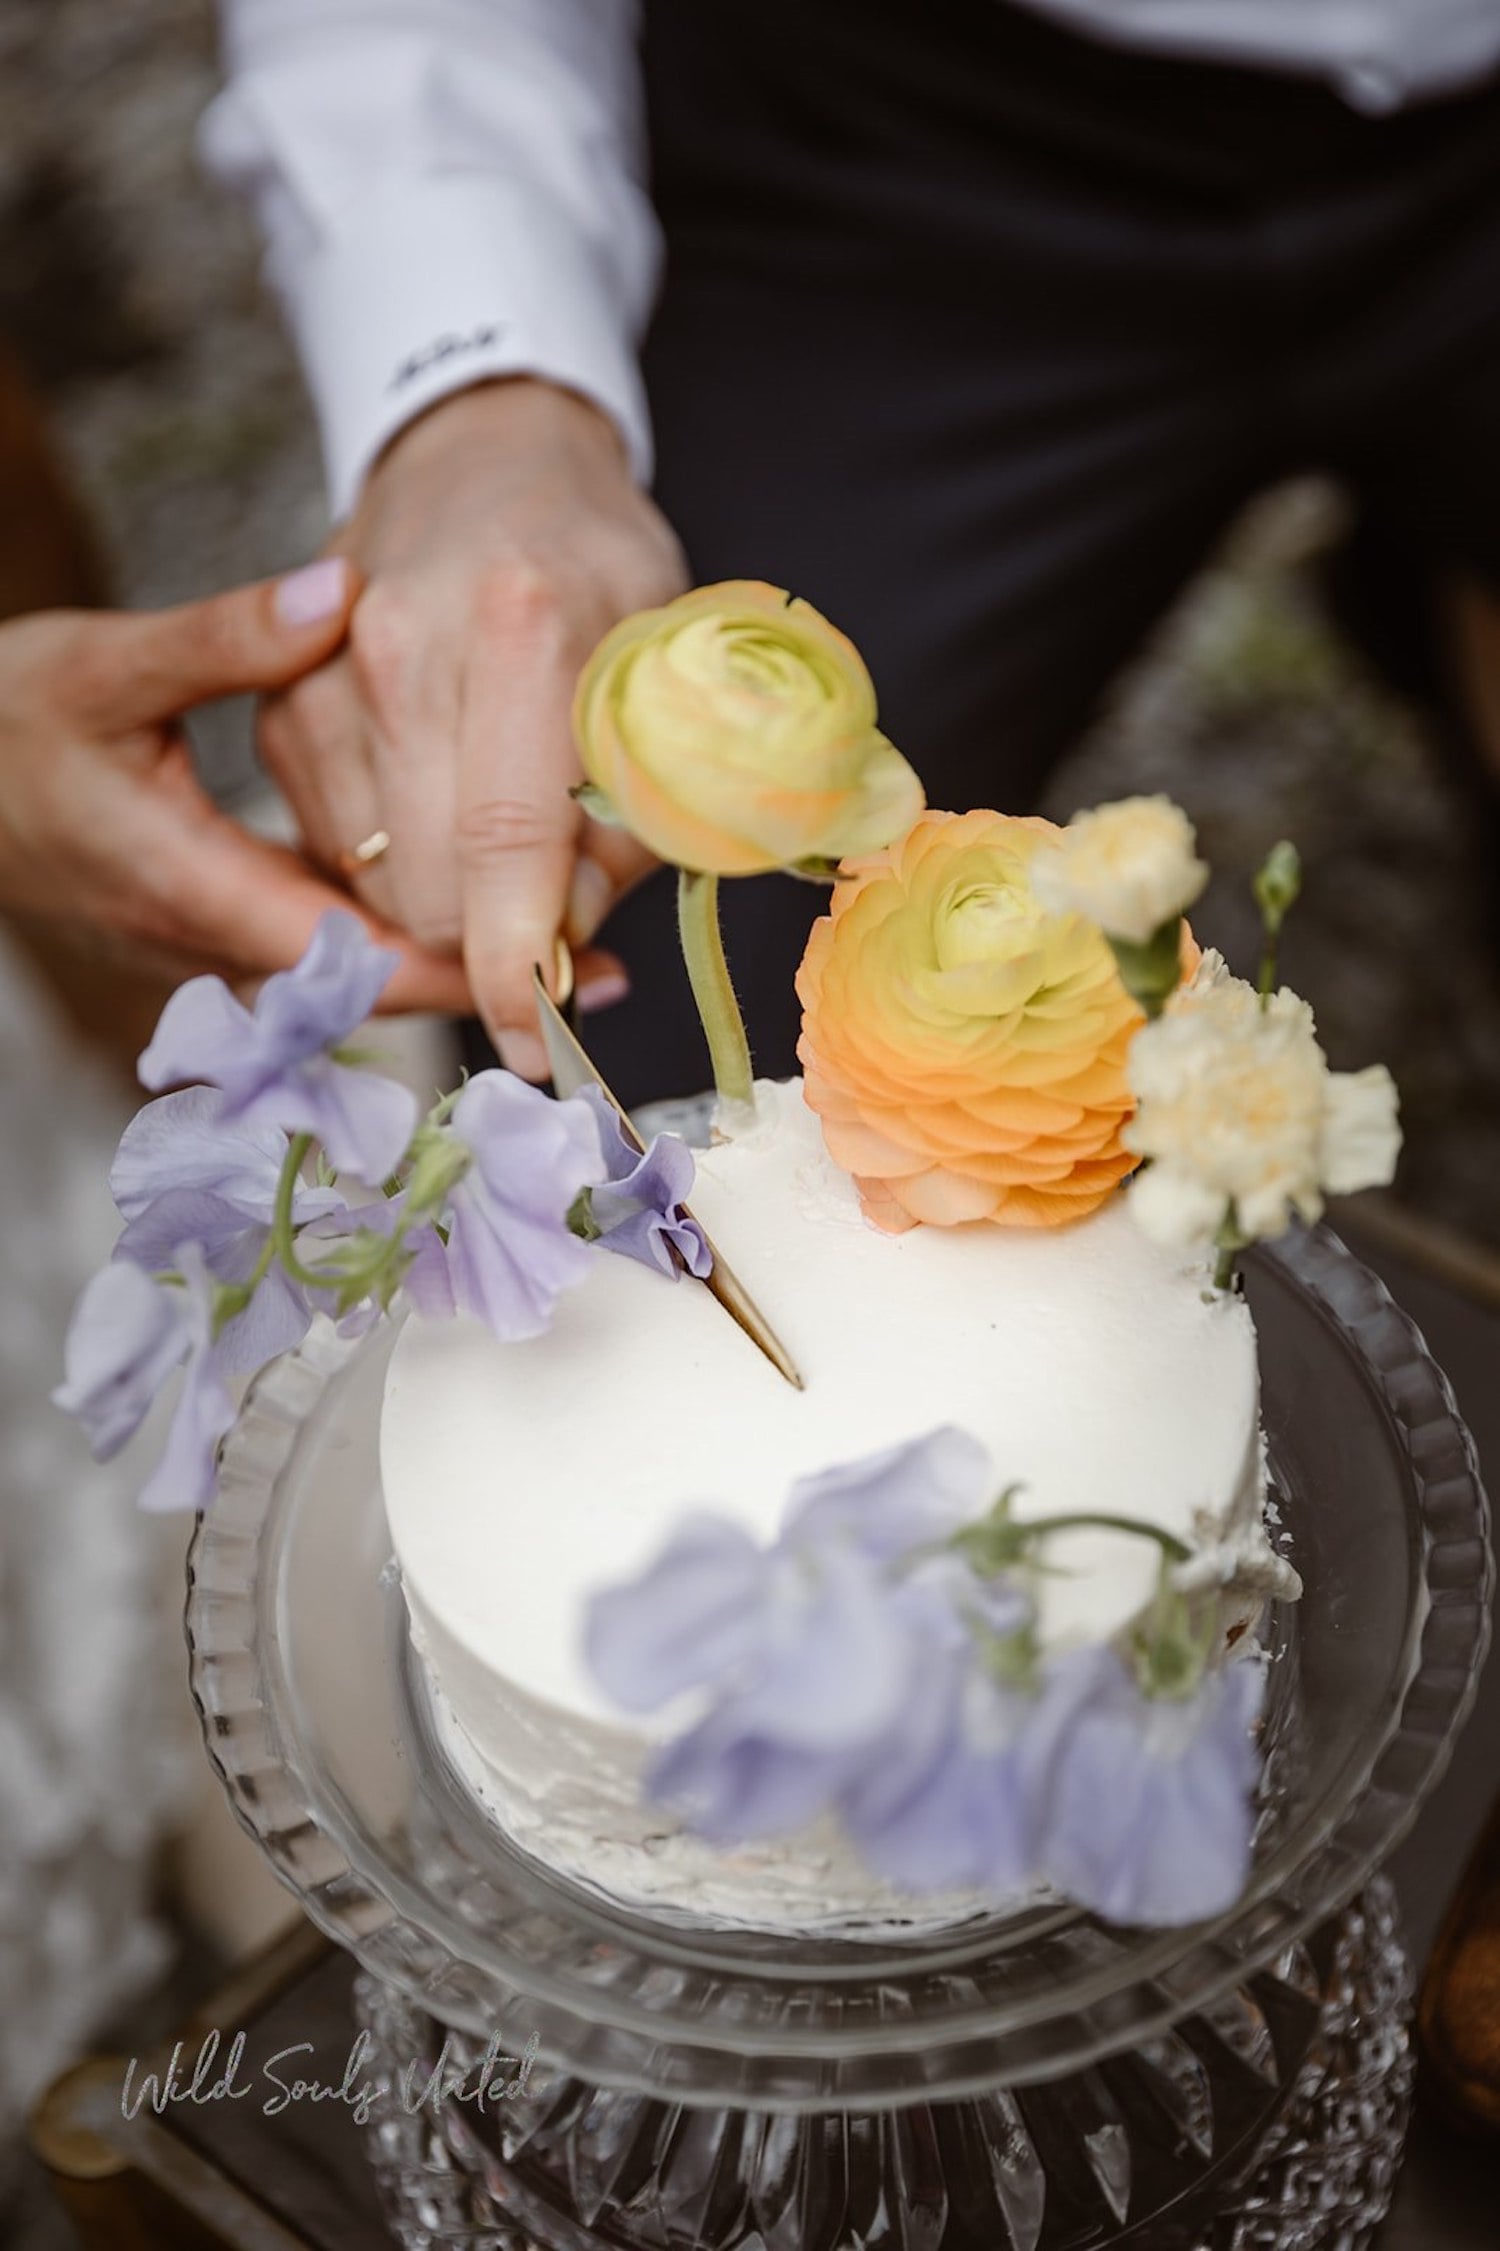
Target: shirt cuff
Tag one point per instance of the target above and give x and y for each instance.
(447, 283)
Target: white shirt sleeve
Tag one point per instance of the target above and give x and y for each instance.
(450, 190)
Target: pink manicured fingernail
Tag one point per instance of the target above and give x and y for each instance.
(590, 897)
(312, 595)
(603, 991)
(523, 1053)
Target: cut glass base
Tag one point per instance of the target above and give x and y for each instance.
(1272, 2122)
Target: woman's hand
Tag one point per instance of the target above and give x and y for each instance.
(501, 536)
(104, 827)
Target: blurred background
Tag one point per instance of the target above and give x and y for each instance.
(129, 296)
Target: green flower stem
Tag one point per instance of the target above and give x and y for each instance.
(1229, 1242)
(997, 1543)
(1086, 1520)
(1278, 881)
(260, 1269)
(283, 1241)
(708, 973)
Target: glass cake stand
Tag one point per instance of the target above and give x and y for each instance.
(1036, 2081)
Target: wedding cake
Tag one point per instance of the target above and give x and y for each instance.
(521, 1478)
(863, 1524)
(968, 1615)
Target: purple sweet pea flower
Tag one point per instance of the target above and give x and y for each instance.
(810, 1634)
(855, 1668)
(953, 1802)
(227, 1237)
(272, 1063)
(816, 1655)
(953, 1799)
(186, 1474)
(733, 1785)
(185, 1173)
(819, 1674)
(128, 1335)
(189, 1141)
(510, 1253)
(693, 1618)
(280, 1312)
(902, 1498)
(638, 1207)
(1150, 1811)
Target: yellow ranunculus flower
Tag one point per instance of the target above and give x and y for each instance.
(964, 1048)
(734, 731)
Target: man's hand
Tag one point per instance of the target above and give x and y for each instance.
(501, 535)
(103, 825)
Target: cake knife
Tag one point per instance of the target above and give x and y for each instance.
(572, 1069)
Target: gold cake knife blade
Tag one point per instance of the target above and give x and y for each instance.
(572, 1068)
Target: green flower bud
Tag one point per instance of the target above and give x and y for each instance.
(438, 1163)
(1152, 970)
(1278, 884)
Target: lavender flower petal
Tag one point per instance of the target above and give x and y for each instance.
(364, 1121)
(1151, 1813)
(184, 1141)
(878, 1791)
(694, 1617)
(428, 1284)
(230, 1245)
(276, 1320)
(890, 1502)
(651, 1237)
(733, 1785)
(949, 1801)
(638, 1208)
(203, 1033)
(272, 1064)
(185, 1475)
(330, 992)
(126, 1336)
(998, 1607)
(835, 1661)
(206, 1034)
(619, 1153)
(835, 1671)
(510, 1253)
(966, 1824)
(229, 1241)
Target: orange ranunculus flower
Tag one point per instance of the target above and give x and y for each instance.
(964, 1049)
(733, 731)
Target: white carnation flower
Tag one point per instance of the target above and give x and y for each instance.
(1361, 1136)
(1130, 867)
(1241, 1116)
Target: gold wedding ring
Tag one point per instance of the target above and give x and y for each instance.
(375, 847)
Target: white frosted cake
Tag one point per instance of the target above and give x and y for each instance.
(1097, 1369)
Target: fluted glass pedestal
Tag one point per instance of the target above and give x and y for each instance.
(1035, 2080)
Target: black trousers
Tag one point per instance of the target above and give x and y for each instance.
(975, 333)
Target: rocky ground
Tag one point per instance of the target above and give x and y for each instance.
(131, 288)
